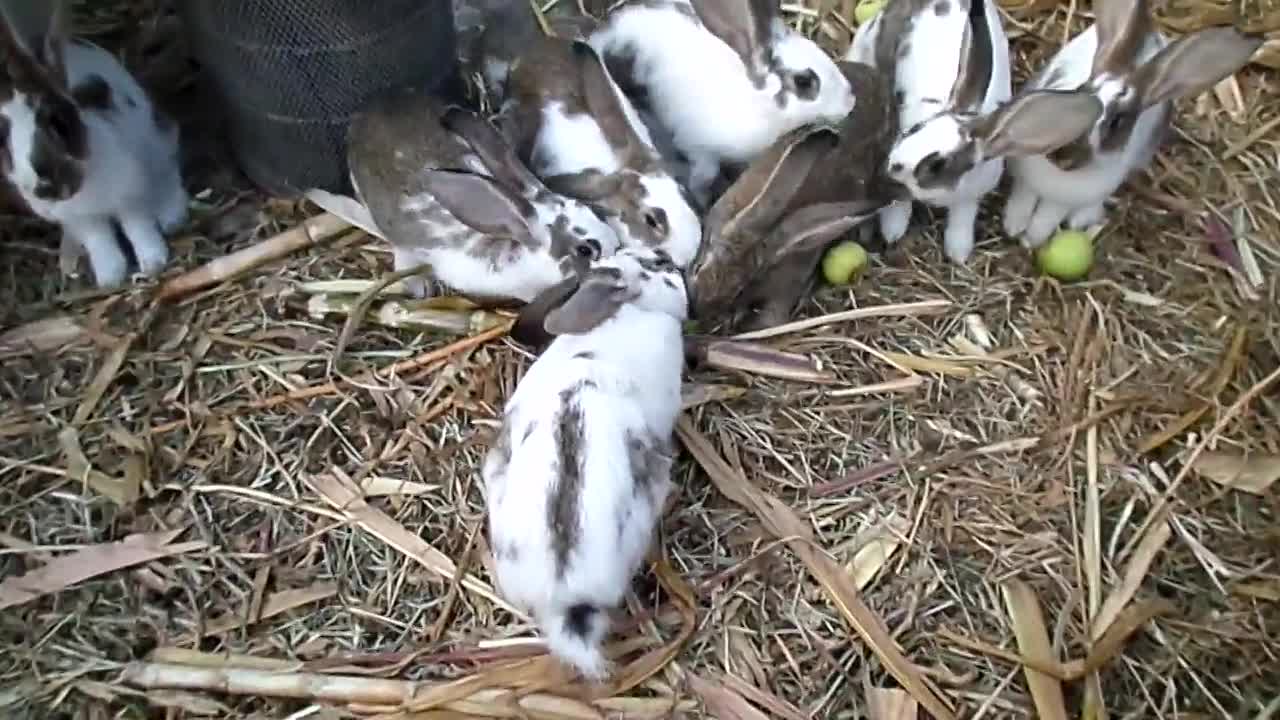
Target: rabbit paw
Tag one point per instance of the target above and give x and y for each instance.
(1017, 210)
(894, 220)
(148, 244)
(1087, 217)
(173, 213)
(1045, 222)
(98, 239)
(957, 240)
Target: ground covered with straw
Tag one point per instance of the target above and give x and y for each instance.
(992, 495)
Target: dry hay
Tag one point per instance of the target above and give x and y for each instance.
(989, 480)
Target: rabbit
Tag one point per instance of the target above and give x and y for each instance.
(949, 60)
(766, 234)
(511, 30)
(445, 188)
(724, 78)
(87, 149)
(582, 137)
(1136, 73)
(581, 466)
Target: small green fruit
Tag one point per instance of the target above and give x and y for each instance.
(866, 10)
(844, 262)
(1067, 256)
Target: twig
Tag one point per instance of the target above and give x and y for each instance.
(312, 231)
(924, 307)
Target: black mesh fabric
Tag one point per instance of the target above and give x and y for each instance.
(291, 72)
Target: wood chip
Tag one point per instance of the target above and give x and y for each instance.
(891, 704)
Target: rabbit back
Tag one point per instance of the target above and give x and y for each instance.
(579, 474)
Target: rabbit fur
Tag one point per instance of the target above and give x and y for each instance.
(87, 149)
(578, 132)
(581, 466)
(1136, 73)
(447, 190)
(723, 78)
(766, 234)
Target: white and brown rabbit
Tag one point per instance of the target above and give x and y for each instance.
(766, 234)
(85, 147)
(578, 132)
(581, 468)
(1136, 74)
(723, 78)
(511, 31)
(447, 190)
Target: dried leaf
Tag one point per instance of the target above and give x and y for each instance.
(189, 703)
(91, 562)
(1258, 590)
(1254, 473)
(721, 702)
(891, 704)
(342, 495)
(1128, 622)
(1136, 571)
(694, 394)
(1223, 247)
(1033, 642)
(782, 522)
(120, 491)
(107, 372)
(43, 335)
(876, 552)
(924, 364)
(274, 604)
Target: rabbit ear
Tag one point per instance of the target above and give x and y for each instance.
(480, 203)
(586, 185)
(812, 227)
(747, 210)
(20, 64)
(1193, 63)
(1037, 122)
(602, 97)
(760, 195)
(1122, 27)
(494, 151)
(746, 26)
(596, 300)
(55, 42)
(976, 60)
(529, 326)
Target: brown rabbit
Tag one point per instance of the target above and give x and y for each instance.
(765, 236)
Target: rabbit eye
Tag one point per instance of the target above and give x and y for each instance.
(656, 220)
(589, 249)
(933, 164)
(806, 84)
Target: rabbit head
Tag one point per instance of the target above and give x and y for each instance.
(812, 88)
(46, 138)
(1134, 69)
(738, 225)
(931, 158)
(640, 198)
(645, 278)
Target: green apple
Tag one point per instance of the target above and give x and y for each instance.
(866, 10)
(1067, 256)
(844, 262)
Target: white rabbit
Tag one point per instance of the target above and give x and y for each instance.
(1136, 73)
(949, 60)
(723, 78)
(85, 148)
(582, 137)
(447, 190)
(582, 464)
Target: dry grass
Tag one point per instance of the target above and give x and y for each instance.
(1046, 479)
